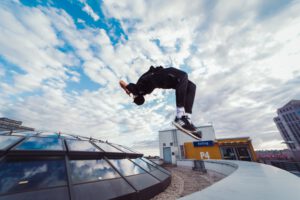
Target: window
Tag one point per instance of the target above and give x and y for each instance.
(228, 153)
(106, 147)
(134, 151)
(171, 143)
(22, 175)
(37, 143)
(6, 141)
(125, 150)
(91, 170)
(295, 116)
(164, 144)
(48, 134)
(126, 167)
(66, 136)
(26, 133)
(143, 164)
(149, 162)
(243, 153)
(155, 165)
(80, 145)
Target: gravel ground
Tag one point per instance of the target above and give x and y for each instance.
(186, 181)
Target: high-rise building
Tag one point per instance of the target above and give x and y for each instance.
(288, 123)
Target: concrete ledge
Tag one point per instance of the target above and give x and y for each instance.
(185, 163)
(247, 181)
(225, 168)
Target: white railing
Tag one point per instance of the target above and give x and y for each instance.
(247, 181)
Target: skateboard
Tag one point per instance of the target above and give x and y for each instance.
(197, 135)
(123, 85)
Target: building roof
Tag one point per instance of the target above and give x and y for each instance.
(234, 138)
(226, 141)
(291, 103)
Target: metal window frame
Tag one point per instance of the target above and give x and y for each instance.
(66, 156)
(96, 143)
(91, 181)
(82, 152)
(21, 138)
(34, 158)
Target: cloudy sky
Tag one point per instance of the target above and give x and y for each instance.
(60, 62)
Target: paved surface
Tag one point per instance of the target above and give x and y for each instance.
(186, 181)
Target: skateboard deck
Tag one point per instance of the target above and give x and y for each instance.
(188, 132)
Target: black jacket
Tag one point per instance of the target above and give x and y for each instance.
(156, 77)
(146, 83)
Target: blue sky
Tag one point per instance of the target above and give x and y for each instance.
(60, 62)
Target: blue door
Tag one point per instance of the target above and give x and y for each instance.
(167, 155)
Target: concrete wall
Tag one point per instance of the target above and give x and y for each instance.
(248, 181)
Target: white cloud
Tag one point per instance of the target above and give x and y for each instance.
(29, 41)
(86, 8)
(244, 68)
(80, 21)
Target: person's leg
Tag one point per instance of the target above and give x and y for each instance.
(175, 79)
(181, 90)
(181, 87)
(189, 99)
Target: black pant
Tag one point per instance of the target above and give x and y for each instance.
(178, 80)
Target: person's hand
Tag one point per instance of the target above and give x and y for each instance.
(123, 85)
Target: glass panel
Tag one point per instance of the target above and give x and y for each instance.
(91, 170)
(122, 148)
(126, 167)
(25, 133)
(79, 145)
(150, 162)
(6, 141)
(48, 134)
(4, 132)
(36, 143)
(143, 164)
(67, 136)
(106, 147)
(228, 153)
(134, 151)
(156, 165)
(243, 153)
(19, 176)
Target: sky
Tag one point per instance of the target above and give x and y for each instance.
(60, 63)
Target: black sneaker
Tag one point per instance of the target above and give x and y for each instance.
(189, 120)
(184, 123)
(198, 134)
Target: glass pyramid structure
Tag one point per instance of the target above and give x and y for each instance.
(49, 165)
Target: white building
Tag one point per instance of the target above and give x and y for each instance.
(288, 123)
(171, 142)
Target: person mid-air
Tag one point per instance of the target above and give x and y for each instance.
(167, 78)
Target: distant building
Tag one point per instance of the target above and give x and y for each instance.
(175, 145)
(265, 156)
(171, 142)
(9, 125)
(226, 149)
(288, 123)
(284, 159)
